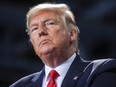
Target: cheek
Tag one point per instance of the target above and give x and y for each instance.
(61, 37)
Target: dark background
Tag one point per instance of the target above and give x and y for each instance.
(96, 20)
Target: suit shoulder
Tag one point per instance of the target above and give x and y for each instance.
(98, 70)
(104, 62)
(103, 65)
(25, 80)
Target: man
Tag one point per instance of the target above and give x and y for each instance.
(54, 36)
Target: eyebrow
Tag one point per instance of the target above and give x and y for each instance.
(47, 20)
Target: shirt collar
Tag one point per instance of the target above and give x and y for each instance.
(61, 69)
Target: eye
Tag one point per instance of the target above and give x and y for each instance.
(33, 29)
(50, 23)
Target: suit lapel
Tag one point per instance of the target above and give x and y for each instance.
(37, 82)
(74, 72)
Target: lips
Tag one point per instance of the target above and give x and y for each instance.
(44, 42)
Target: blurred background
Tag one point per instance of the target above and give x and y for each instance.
(96, 20)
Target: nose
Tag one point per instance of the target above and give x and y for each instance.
(42, 32)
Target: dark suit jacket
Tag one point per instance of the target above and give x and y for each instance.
(98, 73)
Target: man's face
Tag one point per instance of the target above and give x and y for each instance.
(49, 34)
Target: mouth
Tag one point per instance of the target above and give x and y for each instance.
(43, 42)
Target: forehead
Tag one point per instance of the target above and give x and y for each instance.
(43, 16)
(46, 13)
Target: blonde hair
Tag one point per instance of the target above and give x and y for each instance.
(62, 9)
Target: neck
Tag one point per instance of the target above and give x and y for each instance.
(55, 60)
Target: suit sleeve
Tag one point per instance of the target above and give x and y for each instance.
(106, 79)
(105, 74)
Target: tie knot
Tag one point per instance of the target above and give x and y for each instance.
(53, 74)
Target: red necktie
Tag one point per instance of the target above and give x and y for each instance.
(53, 75)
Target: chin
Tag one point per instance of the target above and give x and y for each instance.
(45, 52)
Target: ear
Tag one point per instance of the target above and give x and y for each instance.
(73, 35)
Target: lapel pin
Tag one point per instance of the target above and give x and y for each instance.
(75, 78)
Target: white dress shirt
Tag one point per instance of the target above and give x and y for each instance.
(61, 69)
